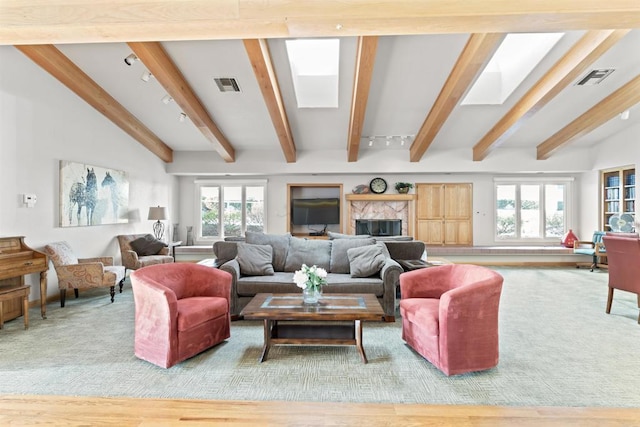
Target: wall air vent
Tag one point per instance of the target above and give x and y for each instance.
(227, 84)
(594, 77)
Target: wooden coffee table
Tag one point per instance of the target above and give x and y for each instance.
(283, 315)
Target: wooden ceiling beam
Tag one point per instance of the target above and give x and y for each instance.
(59, 66)
(622, 99)
(260, 58)
(154, 57)
(365, 61)
(63, 21)
(476, 53)
(589, 48)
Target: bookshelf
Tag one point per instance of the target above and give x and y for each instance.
(618, 194)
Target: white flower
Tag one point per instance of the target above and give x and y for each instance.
(301, 278)
(310, 277)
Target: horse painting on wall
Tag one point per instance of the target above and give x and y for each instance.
(92, 195)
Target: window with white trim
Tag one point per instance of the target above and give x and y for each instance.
(532, 211)
(229, 208)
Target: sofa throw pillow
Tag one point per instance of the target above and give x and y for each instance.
(339, 247)
(147, 245)
(279, 243)
(310, 252)
(255, 260)
(365, 261)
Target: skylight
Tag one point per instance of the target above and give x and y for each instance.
(516, 57)
(314, 70)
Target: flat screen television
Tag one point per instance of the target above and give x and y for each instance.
(315, 211)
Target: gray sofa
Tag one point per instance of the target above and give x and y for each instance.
(252, 273)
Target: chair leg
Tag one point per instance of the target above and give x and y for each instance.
(63, 296)
(75, 292)
(112, 292)
(609, 300)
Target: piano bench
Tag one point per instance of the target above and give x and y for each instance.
(7, 294)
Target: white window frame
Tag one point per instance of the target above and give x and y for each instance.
(200, 183)
(541, 181)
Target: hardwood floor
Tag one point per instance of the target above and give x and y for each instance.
(82, 411)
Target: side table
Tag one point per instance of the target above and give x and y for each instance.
(172, 248)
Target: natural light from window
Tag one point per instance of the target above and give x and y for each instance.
(513, 61)
(314, 70)
(535, 211)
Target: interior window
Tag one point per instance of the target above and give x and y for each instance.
(229, 208)
(531, 211)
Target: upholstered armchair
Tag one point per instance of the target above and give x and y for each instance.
(181, 310)
(133, 261)
(450, 316)
(83, 273)
(623, 253)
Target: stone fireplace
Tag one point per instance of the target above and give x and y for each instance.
(381, 206)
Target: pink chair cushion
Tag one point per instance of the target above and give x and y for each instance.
(197, 310)
(423, 312)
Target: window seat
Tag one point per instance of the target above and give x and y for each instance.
(509, 255)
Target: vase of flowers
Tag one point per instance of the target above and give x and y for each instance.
(310, 280)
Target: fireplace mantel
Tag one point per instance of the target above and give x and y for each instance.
(380, 197)
(408, 210)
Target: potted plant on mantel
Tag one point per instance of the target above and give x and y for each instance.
(403, 187)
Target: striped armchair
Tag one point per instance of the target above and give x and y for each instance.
(83, 273)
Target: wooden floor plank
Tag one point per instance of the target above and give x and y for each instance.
(98, 411)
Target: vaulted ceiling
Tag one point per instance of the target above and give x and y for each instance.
(404, 67)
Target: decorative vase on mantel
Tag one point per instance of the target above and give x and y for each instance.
(403, 190)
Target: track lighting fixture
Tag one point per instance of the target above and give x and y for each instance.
(166, 99)
(624, 115)
(129, 60)
(146, 76)
(183, 117)
(389, 139)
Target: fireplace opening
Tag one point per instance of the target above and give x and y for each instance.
(379, 227)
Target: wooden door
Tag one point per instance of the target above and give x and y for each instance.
(457, 201)
(430, 200)
(457, 232)
(430, 232)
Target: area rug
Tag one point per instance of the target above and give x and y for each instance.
(557, 348)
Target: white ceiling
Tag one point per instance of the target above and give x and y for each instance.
(408, 75)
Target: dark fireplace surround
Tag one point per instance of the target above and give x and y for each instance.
(379, 227)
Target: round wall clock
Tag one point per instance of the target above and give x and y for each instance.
(378, 185)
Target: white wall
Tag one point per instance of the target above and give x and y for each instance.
(43, 122)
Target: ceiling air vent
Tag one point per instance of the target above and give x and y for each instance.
(227, 84)
(594, 77)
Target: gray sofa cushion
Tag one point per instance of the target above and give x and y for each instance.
(255, 260)
(282, 283)
(279, 243)
(310, 252)
(225, 251)
(333, 235)
(365, 261)
(339, 247)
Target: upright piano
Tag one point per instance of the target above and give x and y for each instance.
(16, 260)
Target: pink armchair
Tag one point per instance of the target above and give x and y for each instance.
(181, 310)
(623, 255)
(450, 316)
